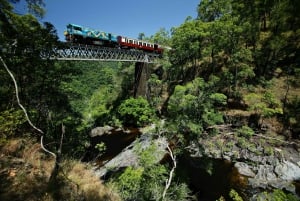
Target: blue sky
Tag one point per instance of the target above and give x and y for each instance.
(122, 17)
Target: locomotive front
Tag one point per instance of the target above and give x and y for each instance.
(73, 33)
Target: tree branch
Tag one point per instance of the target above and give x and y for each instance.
(23, 108)
(169, 180)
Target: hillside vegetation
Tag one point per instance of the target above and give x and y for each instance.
(230, 85)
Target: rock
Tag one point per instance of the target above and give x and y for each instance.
(124, 159)
(129, 156)
(244, 169)
(287, 186)
(265, 165)
(280, 176)
(99, 131)
(288, 171)
(266, 173)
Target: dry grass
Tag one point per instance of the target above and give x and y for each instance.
(25, 170)
(91, 186)
(280, 88)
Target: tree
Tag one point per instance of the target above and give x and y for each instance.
(136, 111)
(192, 107)
(35, 7)
(141, 36)
(211, 10)
(147, 181)
(265, 105)
(24, 40)
(187, 41)
(162, 37)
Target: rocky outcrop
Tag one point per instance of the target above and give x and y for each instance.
(129, 156)
(99, 131)
(265, 162)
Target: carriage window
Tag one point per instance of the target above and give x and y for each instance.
(130, 41)
(140, 43)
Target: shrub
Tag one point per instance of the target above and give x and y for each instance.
(277, 195)
(193, 107)
(136, 111)
(235, 196)
(10, 122)
(245, 131)
(129, 183)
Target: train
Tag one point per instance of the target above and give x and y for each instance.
(83, 35)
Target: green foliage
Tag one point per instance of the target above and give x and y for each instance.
(218, 98)
(240, 68)
(231, 43)
(235, 196)
(92, 91)
(277, 195)
(245, 131)
(268, 150)
(129, 183)
(97, 107)
(292, 114)
(240, 41)
(265, 105)
(187, 39)
(101, 147)
(87, 79)
(11, 121)
(161, 37)
(192, 107)
(147, 157)
(155, 91)
(213, 10)
(38, 79)
(35, 7)
(136, 111)
(147, 182)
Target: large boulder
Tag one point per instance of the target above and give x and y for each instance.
(129, 156)
(99, 131)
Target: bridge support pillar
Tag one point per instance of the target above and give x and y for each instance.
(141, 77)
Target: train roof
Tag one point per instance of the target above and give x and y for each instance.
(76, 25)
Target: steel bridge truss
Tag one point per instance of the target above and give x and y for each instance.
(68, 51)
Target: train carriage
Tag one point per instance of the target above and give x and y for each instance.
(129, 43)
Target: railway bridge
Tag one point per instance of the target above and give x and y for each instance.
(70, 51)
(80, 52)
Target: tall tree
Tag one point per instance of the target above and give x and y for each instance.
(211, 10)
(24, 40)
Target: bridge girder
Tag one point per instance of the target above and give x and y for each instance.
(69, 51)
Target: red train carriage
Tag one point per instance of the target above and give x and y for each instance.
(129, 43)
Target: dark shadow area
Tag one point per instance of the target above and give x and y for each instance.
(115, 142)
(210, 179)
